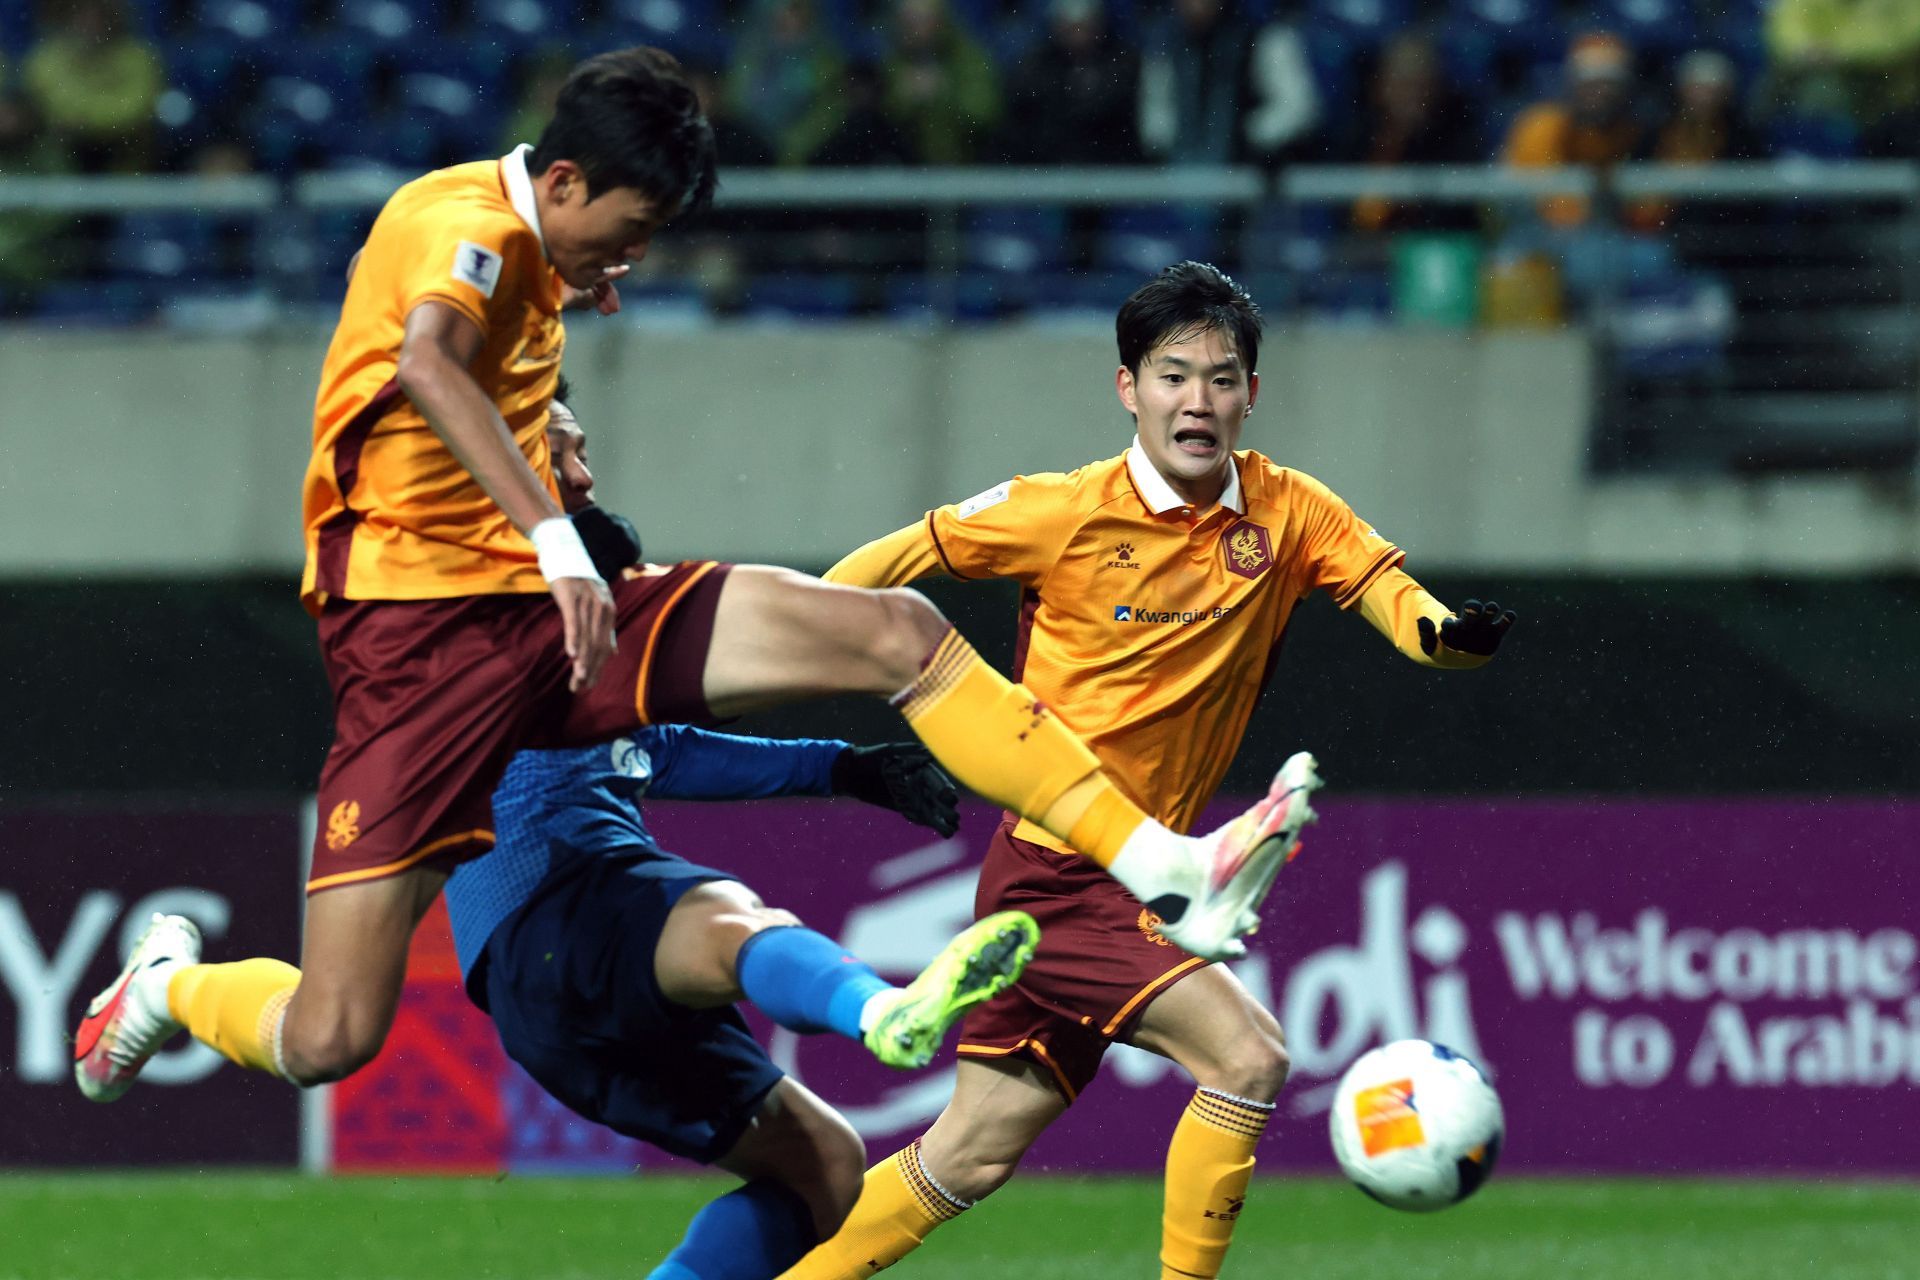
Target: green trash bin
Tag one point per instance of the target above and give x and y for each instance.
(1436, 279)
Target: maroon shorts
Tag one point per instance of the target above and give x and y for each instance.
(1099, 964)
(432, 698)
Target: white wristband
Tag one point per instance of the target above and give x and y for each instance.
(562, 554)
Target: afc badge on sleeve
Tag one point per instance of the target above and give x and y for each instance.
(478, 266)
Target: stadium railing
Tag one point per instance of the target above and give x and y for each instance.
(1744, 314)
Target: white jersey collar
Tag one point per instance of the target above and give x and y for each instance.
(1160, 496)
(513, 170)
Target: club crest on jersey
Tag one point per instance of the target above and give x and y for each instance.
(1246, 549)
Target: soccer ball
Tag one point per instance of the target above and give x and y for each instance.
(1416, 1126)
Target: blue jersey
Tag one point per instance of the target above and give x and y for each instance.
(554, 807)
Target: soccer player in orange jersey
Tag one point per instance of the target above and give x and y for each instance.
(1156, 587)
(434, 539)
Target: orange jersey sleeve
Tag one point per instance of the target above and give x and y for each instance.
(1339, 552)
(893, 561)
(1014, 530)
(390, 513)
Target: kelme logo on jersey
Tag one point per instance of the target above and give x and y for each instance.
(1247, 551)
(1123, 557)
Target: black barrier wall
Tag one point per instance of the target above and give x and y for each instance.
(1663, 686)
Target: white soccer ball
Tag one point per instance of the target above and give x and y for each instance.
(1416, 1126)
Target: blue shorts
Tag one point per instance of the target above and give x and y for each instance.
(568, 980)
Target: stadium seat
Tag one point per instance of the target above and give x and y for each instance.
(800, 297)
(173, 247)
(695, 31)
(1518, 30)
(522, 24)
(409, 23)
(98, 303)
(1657, 29)
(971, 296)
(1095, 293)
(1015, 239)
(250, 21)
(1813, 138)
(1144, 238)
(1366, 22)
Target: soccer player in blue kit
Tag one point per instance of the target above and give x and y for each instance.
(611, 967)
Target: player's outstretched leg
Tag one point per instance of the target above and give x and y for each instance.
(998, 1109)
(128, 1022)
(721, 944)
(779, 635)
(984, 960)
(263, 1013)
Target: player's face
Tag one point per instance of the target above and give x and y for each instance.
(586, 238)
(569, 446)
(1190, 399)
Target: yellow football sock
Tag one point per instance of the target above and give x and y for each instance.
(236, 1008)
(1209, 1164)
(1001, 741)
(899, 1205)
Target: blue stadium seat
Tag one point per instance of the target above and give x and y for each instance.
(98, 303)
(409, 23)
(1015, 239)
(168, 247)
(311, 102)
(1527, 28)
(695, 31)
(1655, 29)
(249, 21)
(1082, 292)
(1813, 138)
(1366, 22)
(1144, 238)
(522, 24)
(801, 297)
(975, 296)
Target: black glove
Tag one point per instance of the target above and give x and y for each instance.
(611, 540)
(903, 777)
(1477, 628)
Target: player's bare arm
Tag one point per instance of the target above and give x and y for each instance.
(439, 345)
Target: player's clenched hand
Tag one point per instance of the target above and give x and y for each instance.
(901, 776)
(1477, 629)
(586, 608)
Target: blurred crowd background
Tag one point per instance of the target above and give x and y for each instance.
(1721, 191)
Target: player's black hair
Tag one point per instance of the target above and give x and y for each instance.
(629, 118)
(1187, 298)
(563, 391)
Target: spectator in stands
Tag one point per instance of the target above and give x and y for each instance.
(1212, 91)
(1851, 64)
(32, 244)
(540, 76)
(867, 135)
(1073, 98)
(96, 85)
(786, 78)
(1706, 127)
(1594, 124)
(941, 87)
(1414, 118)
(737, 143)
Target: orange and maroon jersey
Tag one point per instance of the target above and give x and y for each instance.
(390, 513)
(1148, 627)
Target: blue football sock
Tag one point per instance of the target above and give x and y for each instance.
(805, 982)
(752, 1233)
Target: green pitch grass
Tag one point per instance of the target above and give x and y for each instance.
(276, 1227)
